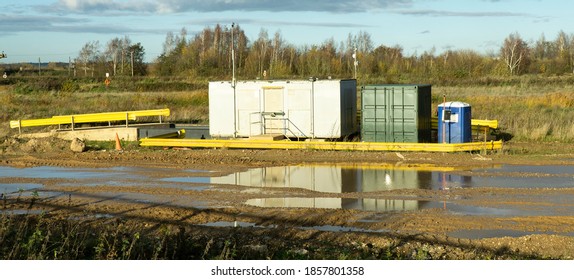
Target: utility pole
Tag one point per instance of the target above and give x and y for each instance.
(233, 55)
(355, 63)
(39, 67)
(233, 82)
(3, 55)
(132, 62)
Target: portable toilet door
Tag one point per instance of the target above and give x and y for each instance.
(454, 124)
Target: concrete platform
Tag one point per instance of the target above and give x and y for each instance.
(107, 133)
(191, 131)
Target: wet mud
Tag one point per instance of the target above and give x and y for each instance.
(454, 203)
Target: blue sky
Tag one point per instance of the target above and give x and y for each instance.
(54, 30)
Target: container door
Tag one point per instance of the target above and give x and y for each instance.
(374, 116)
(403, 115)
(273, 111)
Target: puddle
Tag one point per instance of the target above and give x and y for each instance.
(152, 199)
(319, 228)
(341, 179)
(49, 172)
(567, 170)
(21, 212)
(328, 179)
(491, 233)
(228, 224)
(322, 179)
(396, 205)
(94, 177)
(343, 229)
(201, 180)
(15, 188)
(139, 184)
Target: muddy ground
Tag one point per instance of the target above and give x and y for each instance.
(410, 234)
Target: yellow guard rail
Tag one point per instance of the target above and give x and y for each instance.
(313, 145)
(476, 124)
(91, 118)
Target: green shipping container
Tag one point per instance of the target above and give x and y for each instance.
(396, 113)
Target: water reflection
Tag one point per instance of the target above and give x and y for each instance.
(350, 179)
(396, 205)
(342, 179)
(347, 179)
(379, 205)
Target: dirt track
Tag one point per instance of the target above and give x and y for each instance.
(410, 232)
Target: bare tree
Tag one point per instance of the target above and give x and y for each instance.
(89, 55)
(113, 49)
(169, 44)
(261, 46)
(514, 53)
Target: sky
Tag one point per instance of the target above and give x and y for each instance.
(56, 30)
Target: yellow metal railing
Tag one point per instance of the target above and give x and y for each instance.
(492, 124)
(91, 118)
(476, 124)
(331, 146)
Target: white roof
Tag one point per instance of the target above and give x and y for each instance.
(454, 104)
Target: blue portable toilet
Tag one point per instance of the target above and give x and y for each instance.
(454, 122)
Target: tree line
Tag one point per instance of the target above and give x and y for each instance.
(208, 54)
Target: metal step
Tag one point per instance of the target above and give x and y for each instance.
(272, 137)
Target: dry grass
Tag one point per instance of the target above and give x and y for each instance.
(526, 110)
(533, 113)
(185, 106)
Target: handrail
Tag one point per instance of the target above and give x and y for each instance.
(283, 118)
(263, 119)
(475, 123)
(91, 118)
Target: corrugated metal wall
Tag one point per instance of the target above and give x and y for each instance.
(396, 113)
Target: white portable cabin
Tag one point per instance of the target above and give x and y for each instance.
(296, 109)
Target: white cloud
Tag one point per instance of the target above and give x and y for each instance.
(175, 6)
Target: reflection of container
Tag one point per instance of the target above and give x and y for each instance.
(454, 125)
(396, 113)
